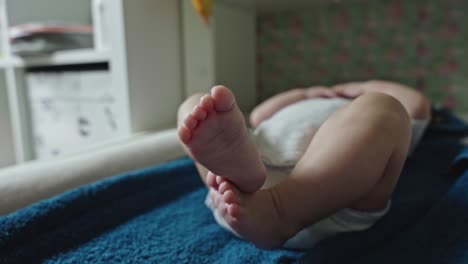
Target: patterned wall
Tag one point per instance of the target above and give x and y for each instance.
(421, 43)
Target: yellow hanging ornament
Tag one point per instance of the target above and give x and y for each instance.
(204, 9)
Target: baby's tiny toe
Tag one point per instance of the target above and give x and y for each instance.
(207, 103)
(190, 122)
(184, 134)
(220, 179)
(223, 98)
(230, 197)
(222, 207)
(234, 210)
(211, 180)
(224, 186)
(199, 113)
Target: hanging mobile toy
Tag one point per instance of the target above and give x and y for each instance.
(204, 9)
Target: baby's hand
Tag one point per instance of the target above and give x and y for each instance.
(349, 90)
(320, 91)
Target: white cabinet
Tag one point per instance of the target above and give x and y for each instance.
(72, 109)
(142, 77)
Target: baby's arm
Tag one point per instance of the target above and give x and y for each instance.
(416, 104)
(272, 105)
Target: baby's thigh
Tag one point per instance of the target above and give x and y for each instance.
(359, 146)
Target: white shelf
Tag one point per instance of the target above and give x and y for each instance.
(143, 76)
(81, 56)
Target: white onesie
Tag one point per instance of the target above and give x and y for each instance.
(283, 139)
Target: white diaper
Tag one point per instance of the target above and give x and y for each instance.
(283, 139)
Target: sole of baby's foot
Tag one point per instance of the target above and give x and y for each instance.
(216, 135)
(254, 216)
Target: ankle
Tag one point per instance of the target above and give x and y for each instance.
(288, 226)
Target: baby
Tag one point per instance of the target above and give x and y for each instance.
(319, 160)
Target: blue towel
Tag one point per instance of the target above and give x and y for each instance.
(157, 215)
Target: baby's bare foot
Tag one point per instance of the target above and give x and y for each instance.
(256, 216)
(216, 135)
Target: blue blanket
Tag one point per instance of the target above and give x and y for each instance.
(156, 215)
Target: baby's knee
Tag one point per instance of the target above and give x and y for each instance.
(383, 104)
(382, 112)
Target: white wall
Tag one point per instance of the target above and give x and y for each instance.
(198, 51)
(235, 52)
(7, 156)
(222, 52)
(153, 49)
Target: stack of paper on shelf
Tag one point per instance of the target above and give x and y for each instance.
(40, 38)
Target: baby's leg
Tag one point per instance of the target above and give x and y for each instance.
(354, 160)
(214, 134)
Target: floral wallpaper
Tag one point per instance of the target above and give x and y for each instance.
(421, 43)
